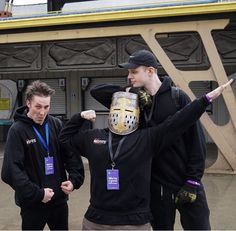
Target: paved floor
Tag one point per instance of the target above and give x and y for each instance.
(220, 189)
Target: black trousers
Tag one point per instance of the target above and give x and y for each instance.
(193, 216)
(56, 217)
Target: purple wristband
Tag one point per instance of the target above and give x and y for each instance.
(193, 182)
(208, 98)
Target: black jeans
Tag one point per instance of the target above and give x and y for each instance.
(193, 216)
(56, 217)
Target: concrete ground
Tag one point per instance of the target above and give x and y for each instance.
(220, 190)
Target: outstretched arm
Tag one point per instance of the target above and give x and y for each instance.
(188, 192)
(177, 124)
(218, 91)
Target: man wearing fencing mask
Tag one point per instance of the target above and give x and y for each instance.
(120, 158)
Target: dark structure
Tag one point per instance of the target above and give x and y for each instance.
(56, 5)
(194, 44)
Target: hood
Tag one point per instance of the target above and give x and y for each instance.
(21, 114)
(166, 84)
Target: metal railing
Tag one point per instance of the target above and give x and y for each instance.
(89, 7)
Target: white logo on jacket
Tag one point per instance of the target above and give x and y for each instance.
(99, 141)
(31, 141)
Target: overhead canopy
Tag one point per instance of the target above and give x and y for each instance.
(111, 11)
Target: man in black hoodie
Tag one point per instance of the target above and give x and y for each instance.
(177, 171)
(35, 165)
(120, 159)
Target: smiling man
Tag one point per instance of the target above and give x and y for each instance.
(35, 166)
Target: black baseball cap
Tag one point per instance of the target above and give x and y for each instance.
(140, 58)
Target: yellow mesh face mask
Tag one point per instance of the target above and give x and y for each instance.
(124, 113)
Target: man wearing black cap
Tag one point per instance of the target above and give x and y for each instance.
(177, 171)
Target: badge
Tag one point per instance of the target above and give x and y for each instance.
(49, 165)
(113, 179)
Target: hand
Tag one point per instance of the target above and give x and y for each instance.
(187, 194)
(218, 91)
(48, 194)
(145, 99)
(89, 115)
(67, 187)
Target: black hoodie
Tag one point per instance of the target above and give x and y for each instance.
(130, 204)
(183, 160)
(23, 165)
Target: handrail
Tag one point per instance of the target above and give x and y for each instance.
(67, 18)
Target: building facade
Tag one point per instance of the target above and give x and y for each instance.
(74, 51)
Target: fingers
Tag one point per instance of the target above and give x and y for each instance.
(65, 183)
(48, 194)
(228, 83)
(67, 192)
(218, 91)
(67, 187)
(222, 87)
(49, 191)
(89, 115)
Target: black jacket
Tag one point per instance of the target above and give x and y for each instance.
(183, 160)
(23, 165)
(130, 204)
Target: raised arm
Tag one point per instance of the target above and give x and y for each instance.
(71, 136)
(177, 124)
(103, 93)
(218, 91)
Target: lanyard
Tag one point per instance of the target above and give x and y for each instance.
(113, 157)
(42, 141)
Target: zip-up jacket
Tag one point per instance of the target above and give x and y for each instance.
(23, 165)
(130, 204)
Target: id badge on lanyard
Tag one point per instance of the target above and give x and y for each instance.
(49, 165)
(113, 174)
(113, 179)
